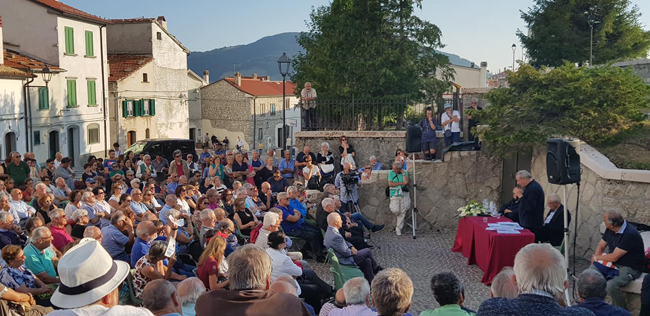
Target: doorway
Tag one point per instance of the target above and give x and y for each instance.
(53, 143)
(130, 138)
(73, 144)
(10, 143)
(512, 164)
(193, 134)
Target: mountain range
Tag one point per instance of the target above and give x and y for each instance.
(260, 57)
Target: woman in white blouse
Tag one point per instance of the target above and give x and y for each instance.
(312, 287)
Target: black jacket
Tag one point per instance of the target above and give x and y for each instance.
(528, 305)
(531, 207)
(513, 205)
(553, 232)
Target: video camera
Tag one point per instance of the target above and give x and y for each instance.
(350, 179)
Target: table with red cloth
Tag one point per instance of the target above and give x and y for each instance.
(488, 249)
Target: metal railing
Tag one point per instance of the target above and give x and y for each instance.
(354, 114)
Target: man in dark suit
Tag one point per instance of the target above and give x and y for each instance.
(553, 229)
(540, 274)
(511, 209)
(531, 206)
(592, 290)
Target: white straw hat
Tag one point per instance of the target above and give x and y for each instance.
(87, 274)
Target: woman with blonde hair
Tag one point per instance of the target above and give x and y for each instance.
(212, 265)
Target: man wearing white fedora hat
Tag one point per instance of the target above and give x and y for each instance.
(90, 282)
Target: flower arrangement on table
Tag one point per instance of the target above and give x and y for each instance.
(472, 209)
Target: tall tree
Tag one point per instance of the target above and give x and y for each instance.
(559, 30)
(372, 48)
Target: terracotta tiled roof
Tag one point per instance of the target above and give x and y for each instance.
(135, 20)
(15, 60)
(6, 71)
(66, 9)
(121, 66)
(257, 87)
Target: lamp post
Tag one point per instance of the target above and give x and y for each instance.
(47, 75)
(284, 63)
(514, 48)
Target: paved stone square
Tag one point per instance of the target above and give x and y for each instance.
(429, 253)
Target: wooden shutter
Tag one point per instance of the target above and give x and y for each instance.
(152, 107)
(138, 108)
(92, 92)
(90, 52)
(72, 93)
(43, 98)
(69, 40)
(125, 109)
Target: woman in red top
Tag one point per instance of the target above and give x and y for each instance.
(213, 268)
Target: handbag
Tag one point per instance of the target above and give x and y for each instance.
(348, 159)
(448, 133)
(326, 168)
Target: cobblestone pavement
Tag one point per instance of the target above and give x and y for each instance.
(430, 253)
(421, 258)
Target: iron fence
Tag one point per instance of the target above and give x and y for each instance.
(354, 114)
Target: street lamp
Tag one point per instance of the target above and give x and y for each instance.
(591, 22)
(514, 48)
(284, 63)
(47, 75)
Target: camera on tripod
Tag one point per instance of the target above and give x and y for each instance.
(350, 179)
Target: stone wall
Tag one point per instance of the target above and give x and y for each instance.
(640, 66)
(603, 188)
(443, 187)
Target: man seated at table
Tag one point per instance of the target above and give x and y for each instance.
(553, 229)
(511, 209)
(625, 250)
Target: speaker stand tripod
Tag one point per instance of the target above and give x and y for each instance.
(414, 211)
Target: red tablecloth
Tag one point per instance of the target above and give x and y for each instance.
(489, 250)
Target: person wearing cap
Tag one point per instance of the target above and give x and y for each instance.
(90, 283)
(450, 120)
(90, 184)
(179, 166)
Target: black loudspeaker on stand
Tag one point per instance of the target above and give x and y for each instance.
(413, 139)
(562, 162)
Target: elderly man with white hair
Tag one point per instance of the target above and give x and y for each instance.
(400, 201)
(503, 285)
(531, 204)
(188, 292)
(93, 232)
(23, 209)
(553, 229)
(392, 291)
(357, 298)
(95, 213)
(540, 275)
(250, 280)
(208, 221)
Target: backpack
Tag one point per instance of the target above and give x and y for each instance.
(254, 233)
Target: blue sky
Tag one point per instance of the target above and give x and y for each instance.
(478, 30)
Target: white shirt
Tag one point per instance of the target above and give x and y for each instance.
(455, 126)
(314, 171)
(99, 310)
(550, 216)
(280, 264)
(185, 208)
(22, 209)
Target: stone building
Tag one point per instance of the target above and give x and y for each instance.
(251, 108)
(148, 81)
(194, 83)
(69, 114)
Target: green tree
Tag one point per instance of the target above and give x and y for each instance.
(597, 105)
(559, 30)
(370, 49)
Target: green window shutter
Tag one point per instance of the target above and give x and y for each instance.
(69, 40)
(92, 92)
(43, 98)
(152, 107)
(72, 93)
(138, 108)
(89, 44)
(125, 108)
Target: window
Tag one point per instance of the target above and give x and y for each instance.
(145, 106)
(145, 77)
(92, 92)
(69, 40)
(37, 137)
(259, 132)
(146, 134)
(43, 98)
(272, 109)
(90, 52)
(72, 93)
(159, 35)
(287, 104)
(129, 108)
(93, 134)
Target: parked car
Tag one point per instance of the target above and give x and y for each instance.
(164, 147)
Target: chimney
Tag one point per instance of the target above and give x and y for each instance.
(206, 76)
(483, 82)
(2, 48)
(163, 23)
(237, 79)
(254, 76)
